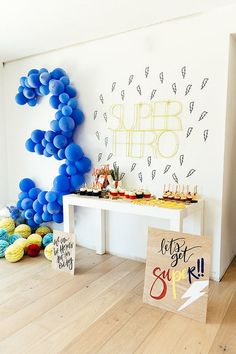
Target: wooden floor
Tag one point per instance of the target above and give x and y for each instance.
(100, 310)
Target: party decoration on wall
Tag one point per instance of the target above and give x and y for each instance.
(109, 156)
(175, 178)
(153, 174)
(204, 82)
(181, 160)
(98, 135)
(149, 160)
(191, 172)
(205, 134)
(105, 117)
(113, 86)
(99, 156)
(177, 273)
(133, 166)
(101, 98)
(43, 206)
(167, 168)
(63, 257)
(95, 114)
(150, 126)
(106, 141)
(140, 176)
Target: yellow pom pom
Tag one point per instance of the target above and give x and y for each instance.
(23, 230)
(8, 224)
(48, 251)
(22, 242)
(14, 253)
(35, 239)
(43, 230)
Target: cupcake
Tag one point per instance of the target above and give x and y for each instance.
(95, 192)
(121, 192)
(147, 194)
(89, 191)
(114, 193)
(127, 194)
(82, 191)
(139, 194)
(132, 195)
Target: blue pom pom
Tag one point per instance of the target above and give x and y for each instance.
(84, 165)
(31, 223)
(65, 79)
(39, 149)
(54, 125)
(34, 192)
(54, 101)
(71, 170)
(44, 90)
(27, 203)
(58, 73)
(26, 184)
(56, 87)
(37, 135)
(73, 152)
(33, 71)
(61, 154)
(44, 78)
(53, 208)
(77, 181)
(51, 149)
(38, 219)
(62, 169)
(51, 196)
(41, 198)
(64, 97)
(58, 218)
(49, 136)
(29, 214)
(61, 184)
(46, 216)
(32, 102)
(60, 141)
(71, 91)
(66, 110)
(37, 207)
(29, 145)
(78, 116)
(28, 93)
(20, 99)
(47, 239)
(73, 103)
(66, 124)
(33, 80)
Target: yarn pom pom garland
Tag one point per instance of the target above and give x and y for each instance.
(33, 250)
(14, 253)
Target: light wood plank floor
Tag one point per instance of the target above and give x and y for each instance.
(100, 310)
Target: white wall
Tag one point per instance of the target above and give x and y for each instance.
(198, 43)
(3, 169)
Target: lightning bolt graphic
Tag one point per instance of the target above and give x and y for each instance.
(194, 293)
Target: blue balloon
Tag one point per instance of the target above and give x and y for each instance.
(23, 195)
(43, 70)
(38, 219)
(49, 136)
(58, 218)
(20, 88)
(32, 102)
(83, 165)
(37, 135)
(37, 206)
(34, 192)
(51, 196)
(66, 124)
(44, 142)
(27, 203)
(29, 144)
(56, 87)
(66, 110)
(64, 97)
(61, 154)
(77, 181)
(44, 78)
(22, 80)
(26, 184)
(68, 134)
(65, 79)
(71, 91)
(48, 238)
(20, 99)
(46, 153)
(61, 105)
(18, 204)
(44, 90)
(73, 103)
(62, 169)
(78, 116)
(39, 149)
(51, 149)
(46, 216)
(53, 208)
(33, 80)
(61, 184)
(27, 83)
(28, 93)
(31, 223)
(73, 152)
(58, 73)
(33, 71)
(71, 170)
(29, 214)
(60, 141)
(54, 101)
(41, 198)
(58, 115)
(54, 125)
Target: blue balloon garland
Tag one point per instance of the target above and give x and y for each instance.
(44, 206)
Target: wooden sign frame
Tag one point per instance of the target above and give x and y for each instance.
(177, 272)
(63, 258)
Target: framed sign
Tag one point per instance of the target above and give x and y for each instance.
(63, 258)
(177, 273)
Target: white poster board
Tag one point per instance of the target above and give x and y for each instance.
(63, 258)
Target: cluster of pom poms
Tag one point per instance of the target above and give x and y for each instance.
(41, 206)
(23, 242)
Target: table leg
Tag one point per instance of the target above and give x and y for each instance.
(101, 232)
(176, 224)
(69, 218)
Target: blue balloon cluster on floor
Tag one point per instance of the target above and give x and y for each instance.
(45, 206)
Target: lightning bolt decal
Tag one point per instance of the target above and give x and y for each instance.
(194, 292)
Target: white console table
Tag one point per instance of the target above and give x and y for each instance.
(175, 216)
